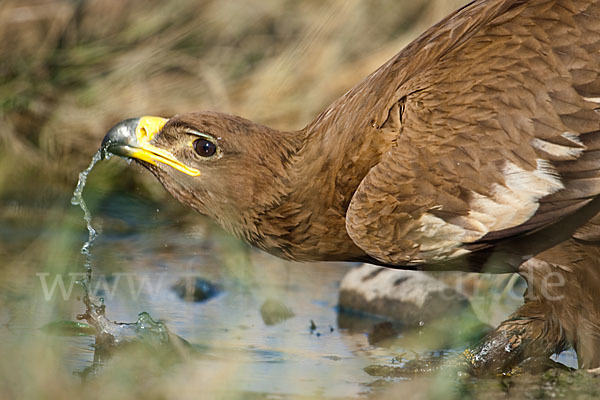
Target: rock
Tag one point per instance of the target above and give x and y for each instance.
(195, 289)
(273, 312)
(412, 297)
(594, 371)
(381, 332)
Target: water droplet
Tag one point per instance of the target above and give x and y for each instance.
(87, 216)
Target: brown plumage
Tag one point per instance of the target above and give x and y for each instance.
(475, 148)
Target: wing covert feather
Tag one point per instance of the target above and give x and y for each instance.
(499, 135)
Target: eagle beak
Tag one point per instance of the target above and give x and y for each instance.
(131, 138)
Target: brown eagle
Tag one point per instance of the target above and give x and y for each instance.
(475, 148)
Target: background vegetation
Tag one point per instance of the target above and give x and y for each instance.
(71, 69)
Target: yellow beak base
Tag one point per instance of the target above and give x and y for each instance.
(135, 143)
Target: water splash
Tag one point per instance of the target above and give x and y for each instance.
(110, 334)
(77, 200)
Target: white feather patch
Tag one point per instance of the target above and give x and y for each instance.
(437, 238)
(509, 205)
(574, 138)
(516, 201)
(557, 150)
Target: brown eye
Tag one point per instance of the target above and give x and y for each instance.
(205, 148)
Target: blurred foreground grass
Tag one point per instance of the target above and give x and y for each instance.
(70, 69)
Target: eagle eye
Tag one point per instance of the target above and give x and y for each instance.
(204, 147)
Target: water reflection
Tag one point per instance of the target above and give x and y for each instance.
(141, 254)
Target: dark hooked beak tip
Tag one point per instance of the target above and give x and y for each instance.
(132, 139)
(119, 138)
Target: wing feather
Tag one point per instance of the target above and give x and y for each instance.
(499, 132)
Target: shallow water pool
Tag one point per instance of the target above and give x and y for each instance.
(143, 250)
